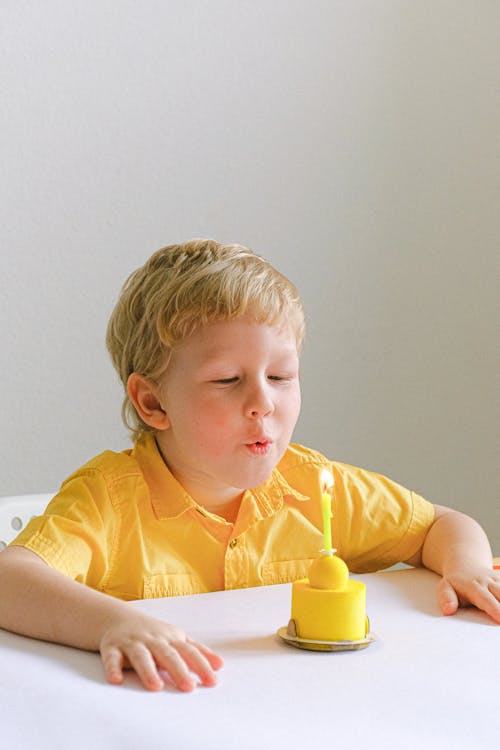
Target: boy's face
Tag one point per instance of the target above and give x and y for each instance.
(232, 397)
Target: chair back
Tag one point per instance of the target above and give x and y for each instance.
(17, 510)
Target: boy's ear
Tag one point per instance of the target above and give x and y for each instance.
(144, 395)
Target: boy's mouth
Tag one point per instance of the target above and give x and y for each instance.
(259, 447)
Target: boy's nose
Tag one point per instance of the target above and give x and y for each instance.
(259, 404)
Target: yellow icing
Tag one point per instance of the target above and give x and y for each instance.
(328, 572)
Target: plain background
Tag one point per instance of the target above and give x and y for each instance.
(354, 144)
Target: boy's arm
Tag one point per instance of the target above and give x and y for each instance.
(457, 548)
(40, 602)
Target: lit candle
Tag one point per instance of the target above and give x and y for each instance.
(326, 504)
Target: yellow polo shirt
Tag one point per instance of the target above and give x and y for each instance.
(122, 524)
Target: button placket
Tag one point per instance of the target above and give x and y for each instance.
(236, 565)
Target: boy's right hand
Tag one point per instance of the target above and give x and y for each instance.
(40, 602)
(147, 645)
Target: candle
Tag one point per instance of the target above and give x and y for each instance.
(326, 505)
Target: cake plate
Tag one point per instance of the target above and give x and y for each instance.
(289, 635)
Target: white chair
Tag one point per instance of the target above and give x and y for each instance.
(16, 511)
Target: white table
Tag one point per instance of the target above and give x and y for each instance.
(428, 681)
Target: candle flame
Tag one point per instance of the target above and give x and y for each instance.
(326, 481)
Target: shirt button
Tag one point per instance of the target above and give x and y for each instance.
(233, 543)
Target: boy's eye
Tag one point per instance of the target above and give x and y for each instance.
(235, 379)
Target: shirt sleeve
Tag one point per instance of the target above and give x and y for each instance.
(376, 522)
(74, 535)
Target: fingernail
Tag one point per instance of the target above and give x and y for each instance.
(155, 684)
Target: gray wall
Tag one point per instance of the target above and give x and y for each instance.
(355, 144)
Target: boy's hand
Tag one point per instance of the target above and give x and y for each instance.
(41, 602)
(457, 548)
(148, 645)
(477, 586)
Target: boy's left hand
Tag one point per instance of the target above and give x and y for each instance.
(457, 548)
(478, 586)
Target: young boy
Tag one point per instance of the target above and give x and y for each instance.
(206, 339)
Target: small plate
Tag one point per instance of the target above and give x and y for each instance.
(287, 634)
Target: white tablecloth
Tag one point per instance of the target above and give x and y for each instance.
(427, 682)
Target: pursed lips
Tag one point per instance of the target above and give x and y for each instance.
(259, 446)
(261, 440)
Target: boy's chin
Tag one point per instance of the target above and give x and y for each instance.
(247, 476)
(252, 483)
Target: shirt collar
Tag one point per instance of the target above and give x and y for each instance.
(169, 498)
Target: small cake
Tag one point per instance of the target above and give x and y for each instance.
(328, 606)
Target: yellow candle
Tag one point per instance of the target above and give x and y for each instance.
(326, 504)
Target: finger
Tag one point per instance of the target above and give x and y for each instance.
(168, 658)
(112, 659)
(141, 660)
(197, 662)
(494, 587)
(215, 661)
(447, 597)
(483, 598)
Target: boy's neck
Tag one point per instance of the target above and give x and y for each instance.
(222, 502)
(228, 511)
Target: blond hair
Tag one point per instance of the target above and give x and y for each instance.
(183, 287)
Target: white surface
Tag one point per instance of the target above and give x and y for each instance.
(355, 144)
(428, 682)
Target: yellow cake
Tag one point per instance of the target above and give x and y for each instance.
(328, 606)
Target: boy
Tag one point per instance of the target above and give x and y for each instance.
(206, 339)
